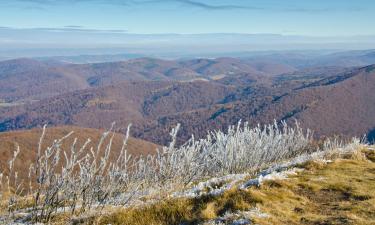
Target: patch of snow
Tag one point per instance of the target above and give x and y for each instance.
(237, 218)
(214, 186)
(294, 162)
(270, 176)
(255, 212)
(212, 222)
(280, 175)
(241, 222)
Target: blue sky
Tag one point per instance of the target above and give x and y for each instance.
(196, 26)
(290, 17)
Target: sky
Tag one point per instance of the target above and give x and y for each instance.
(93, 22)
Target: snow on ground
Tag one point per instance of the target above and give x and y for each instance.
(237, 218)
(214, 186)
(218, 185)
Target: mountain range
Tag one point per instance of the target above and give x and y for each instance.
(330, 95)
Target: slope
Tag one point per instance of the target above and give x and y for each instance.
(28, 140)
(337, 192)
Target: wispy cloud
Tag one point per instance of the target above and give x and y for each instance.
(69, 28)
(207, 6)
(74, 26)
(202, 4)
(194, 3)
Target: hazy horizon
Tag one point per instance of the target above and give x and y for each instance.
(36, 28)
(43, 42)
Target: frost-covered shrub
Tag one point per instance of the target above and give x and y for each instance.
(78, 179)
(239, 149)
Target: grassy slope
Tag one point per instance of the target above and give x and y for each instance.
(341, 192)
(28, 142)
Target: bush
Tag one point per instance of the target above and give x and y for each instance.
(69, 181)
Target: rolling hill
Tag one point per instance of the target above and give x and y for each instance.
(201, 94)
(28, 142)
(338, 104)
(24, 80)
(342, 105)
(27, 80)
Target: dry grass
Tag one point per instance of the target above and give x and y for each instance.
(183, 211)
(337, 193)
(341, 192)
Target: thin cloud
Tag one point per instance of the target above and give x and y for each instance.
(322, 10)
(192, 3)
(216, 7)
(69, 28)
(74, 26)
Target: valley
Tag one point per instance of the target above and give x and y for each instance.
(200, 94)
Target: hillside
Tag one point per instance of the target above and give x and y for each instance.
(338, 104)
(26, 80)
(342, 104)
(130, 102)
(28, 141)
(291, 59)
(338, 192)
(200, 94)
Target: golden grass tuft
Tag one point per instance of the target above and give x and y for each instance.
(340, 192)
(184, 211)
(163, 213)
(209, 212)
